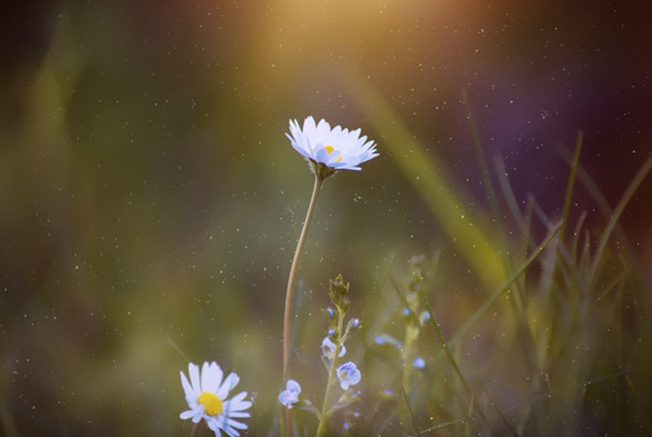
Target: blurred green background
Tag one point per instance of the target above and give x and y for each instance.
(150, 203)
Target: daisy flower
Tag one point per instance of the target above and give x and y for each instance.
(290, 395)
(206, 394)
(336, 148)
(348, 375)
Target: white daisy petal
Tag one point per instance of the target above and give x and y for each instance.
(239, 397)
(197, 417)
(236, 425)
(229, 383)
(187, 414)
(193, 371)
(212, 424)
(212, 377)
(297, 146)
(221, 423)
(239, 414)
(228, 406)
(187, 388)
(309, 126)
(231, 432)
(204, 376)
(323, 128)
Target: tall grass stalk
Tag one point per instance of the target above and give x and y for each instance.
(471, 233)
(613, 220)
(513, 277)
(575, 349)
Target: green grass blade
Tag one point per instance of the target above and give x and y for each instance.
(453, 361)
(508, 193)
(471, 233)
(441, 426)
(576, 237)
(570, 187)
(603, 205)
(508, 283)
(444, 344)
(413, 419)
(482, 161)
(613, 220)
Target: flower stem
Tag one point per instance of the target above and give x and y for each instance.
(292, 279)
(194, 429)
(290, 291)
(323, 419)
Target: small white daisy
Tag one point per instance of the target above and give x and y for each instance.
(328, 349)
(336, 148)
(207, 395)
(348, 375)
(290, 395)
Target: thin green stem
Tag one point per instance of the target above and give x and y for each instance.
(321, 428)
(286, 426)
(292, 278)
(413, 419)
(323, 416)
(194, 429)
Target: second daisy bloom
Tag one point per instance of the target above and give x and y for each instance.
(206, 394)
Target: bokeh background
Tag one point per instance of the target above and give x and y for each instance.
(150, 203)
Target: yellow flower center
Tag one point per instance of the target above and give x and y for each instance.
(212, 404)
(331, 149)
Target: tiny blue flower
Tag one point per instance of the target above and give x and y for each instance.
(332, 332)
(419, 363)
(382, 340)
(290, 395)
(406, 312)
(354, 323)
(348, 375)
(425, 316)
(328, 349)
(331, 312)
